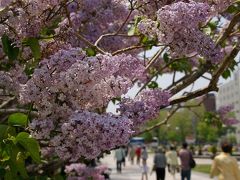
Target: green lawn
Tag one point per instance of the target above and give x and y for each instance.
(203, 168)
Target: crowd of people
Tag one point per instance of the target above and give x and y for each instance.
(161, 160)
(224, 165)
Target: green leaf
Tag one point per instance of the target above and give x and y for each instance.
(226, 74)
(153, 85)
(166, 57)
(133, 29)
(90, 52)
(4, 156)
(34, 45)
(5, 131)
(9, 48)
(18, 119)
(20, 165)
(29, 144)
(181, 65)
(148, 42)
(213, 25)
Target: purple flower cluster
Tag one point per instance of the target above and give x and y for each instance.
(149, 7)
(179, 26)
(4, 3)
(148, 27)
(88, 134)
(77, 171)
(27, 19)
(223, 112)
(92, 18)
(218, 5)
(70, 78)
(13, 80)
(145, 106)
(68, 81)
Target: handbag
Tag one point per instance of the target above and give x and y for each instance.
(192, 162)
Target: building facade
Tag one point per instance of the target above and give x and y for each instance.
(229, 94)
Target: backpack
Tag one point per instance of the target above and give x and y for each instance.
(192, 162)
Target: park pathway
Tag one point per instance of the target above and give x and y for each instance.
(133, 172)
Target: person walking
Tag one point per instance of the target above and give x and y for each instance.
(138, 154)
(131, 154)
(144, 170)
(160, 163)
(172, 161)
(144, 154)
(224, 165)
(185, 157)
(119, 155)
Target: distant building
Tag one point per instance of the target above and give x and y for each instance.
(209, 102)
(229, 94)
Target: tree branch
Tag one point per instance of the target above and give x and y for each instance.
(170, 114)
(228, 31)
(7, 102)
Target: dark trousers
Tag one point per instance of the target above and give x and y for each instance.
(186, 174)
(160, 173)
(119, 166)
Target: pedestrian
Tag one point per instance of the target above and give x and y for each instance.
(172, 161)
(138, 154)
(131, 154)
(144, 154)
(124, 157)
(224, 165)
(119, 155)
(144, 170)
(160, 163)
(185, 158)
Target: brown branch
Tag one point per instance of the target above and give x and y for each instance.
(155, 57)
(7, 102)
(228, 60)
(228, 30)
(213, 83)
(165, 121)
(186, 81)
(89, 43)
(192, 95)
(115, 33)
(128, 49)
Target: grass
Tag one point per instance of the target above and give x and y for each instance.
(203, 168)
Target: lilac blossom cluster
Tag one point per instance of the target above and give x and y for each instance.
(4, 3)
(94, 18)
(223, 112)
(27, 19)
(77, 171)
(149, 7)
(13, 79)
(179, 26)
(218, 5)
(89, 134)
(148, 27)
(144, 106)
(82, 82)
(68, 81)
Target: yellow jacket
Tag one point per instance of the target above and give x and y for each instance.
(226, 167)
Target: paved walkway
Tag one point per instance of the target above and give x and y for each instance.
(133, 172)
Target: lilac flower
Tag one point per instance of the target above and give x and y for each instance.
(145, 106)
(179, 26)
(81, 171)
(88, 134)
(223, 112)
